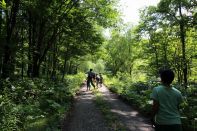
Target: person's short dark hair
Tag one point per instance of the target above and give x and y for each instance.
(90, 69)
(167, 76)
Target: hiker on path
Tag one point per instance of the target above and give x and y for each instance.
(90, 78)
(166, 101)
(97, 80)
(101, 79)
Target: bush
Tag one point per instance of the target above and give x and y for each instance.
(36, 103)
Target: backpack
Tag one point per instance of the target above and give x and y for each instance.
(91, 75)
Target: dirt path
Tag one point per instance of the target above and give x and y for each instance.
(86, 117)
(132, 120)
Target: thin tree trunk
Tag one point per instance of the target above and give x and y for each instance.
(1, 39)
(29, 70)
(182, 36)
(64, 69)
(54, 61)
(22, 53)
(36, 69)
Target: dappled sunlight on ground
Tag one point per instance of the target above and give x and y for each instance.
(86, 117)
(127, 115)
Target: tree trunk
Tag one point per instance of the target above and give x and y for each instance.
(22, 54)
(182, 36)
(183, 55)
(1, 21)
(54, 61)
(8, 65)
(165, 55)
(1, 39)
(29, 70)
(64, 69)
(36, 68)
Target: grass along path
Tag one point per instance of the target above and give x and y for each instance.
(111, 119)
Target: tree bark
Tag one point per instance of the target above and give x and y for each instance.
(29, 70)
(182, 36)
(64, 69)
(8, 65)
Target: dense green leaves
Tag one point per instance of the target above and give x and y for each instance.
(34, 104)
(38, 30)
(170, 46)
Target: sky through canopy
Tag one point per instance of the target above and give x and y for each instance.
(130, 9)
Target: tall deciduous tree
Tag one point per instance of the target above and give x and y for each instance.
(179, 16)
(9, 40)
(180, 13)
(41, 28)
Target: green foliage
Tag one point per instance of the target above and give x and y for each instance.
(36, 104)
(114, 84)
(9, 119)
(51, 36)
(3, 4)
(167, 29)
(74, 82)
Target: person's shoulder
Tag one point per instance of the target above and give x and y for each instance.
(176, 90)
(158, 87)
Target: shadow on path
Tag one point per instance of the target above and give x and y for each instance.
(132, 120)
(85, 116)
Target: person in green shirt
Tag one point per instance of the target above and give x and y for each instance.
(166, 101)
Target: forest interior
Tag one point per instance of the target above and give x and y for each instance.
(47, 46)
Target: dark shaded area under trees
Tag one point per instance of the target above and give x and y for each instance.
(36, 36)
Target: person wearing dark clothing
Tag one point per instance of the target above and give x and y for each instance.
(91, 76)
(97, 80)
(100, 79)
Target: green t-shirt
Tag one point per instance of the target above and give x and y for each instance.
(169, 99)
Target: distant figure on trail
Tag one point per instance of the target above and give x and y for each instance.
(166, 101)
(101, 79)
(97, 80)
(90, 78)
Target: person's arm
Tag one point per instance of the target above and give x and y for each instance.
(180, 101)
(155, 107)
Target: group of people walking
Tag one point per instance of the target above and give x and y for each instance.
(94, 78)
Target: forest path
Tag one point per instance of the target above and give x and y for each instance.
(128, 116)
(86, 117)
